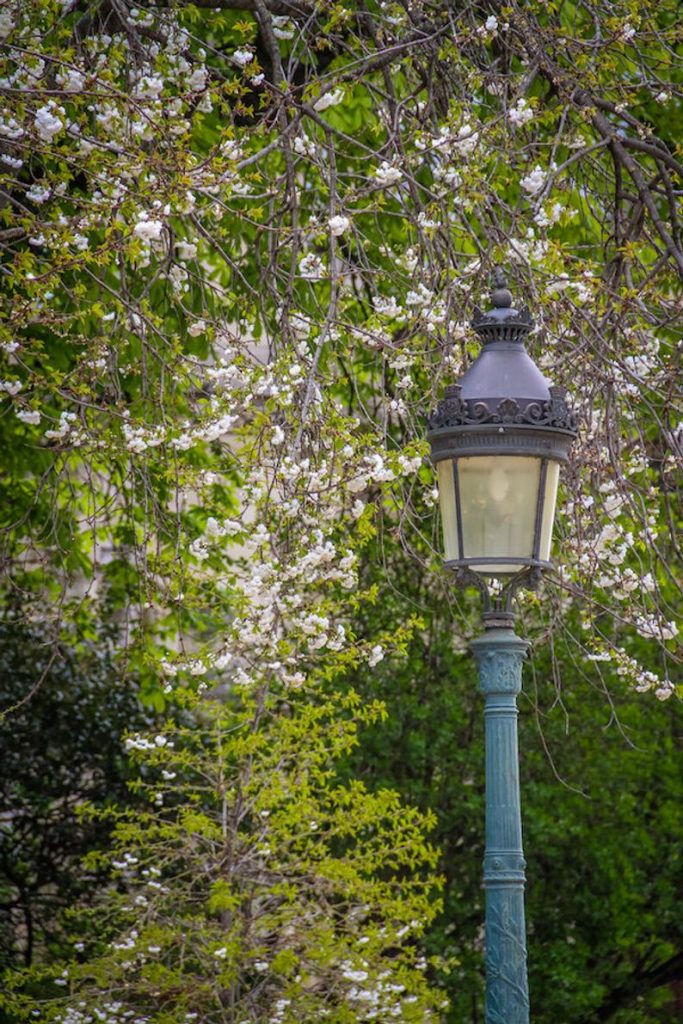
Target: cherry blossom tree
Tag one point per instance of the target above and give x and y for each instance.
(240, 253)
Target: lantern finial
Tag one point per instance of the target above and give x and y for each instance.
(501, 296)
(503, 322)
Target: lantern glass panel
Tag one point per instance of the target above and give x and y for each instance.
(498, 501)
(549, 502)
(449, 522)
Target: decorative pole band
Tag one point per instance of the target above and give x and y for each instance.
(499, 655)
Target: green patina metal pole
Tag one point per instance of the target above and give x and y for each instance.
(499, 654)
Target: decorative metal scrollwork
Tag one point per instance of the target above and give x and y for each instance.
(521, 318)
(454, 411)
(515, 326)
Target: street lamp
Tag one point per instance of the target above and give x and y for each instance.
(498, 438)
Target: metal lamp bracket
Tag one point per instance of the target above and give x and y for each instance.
(498, 607)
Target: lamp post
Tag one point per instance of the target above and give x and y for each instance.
(498, 438)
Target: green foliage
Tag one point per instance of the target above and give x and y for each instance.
(604, 812)
(255, 884)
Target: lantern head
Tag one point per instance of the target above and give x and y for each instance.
(498, 438)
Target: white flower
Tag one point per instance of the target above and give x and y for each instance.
(278, 436)
(652, 627)
(546, 218)
(627, 32)
(197, 328)
(358, 483)
(352, 975)
(304, 146)
(243, 57)
(186, 250)
(197, 80)
(378, 470)
(37, 194)
(491, 23)
(283, 27)
(12, 387)
(338, 225)
(293, 679)
(198, 549)
(313, 624)
(12, 129)
(150, 87)
(387, 305)
(66, 420)
(583, 292)
(410, 259)
(386, 174)
(13, 162)
(6, 22)
(329, 99)
(521, 112)
(599, 656)
(257, 79)
(640, 366)
(31, 416)
(221, 953)
(425, 222)
(410, 465)
(534, 181)
(422, 297)
(81, 243)
(71, 80)
(466, 140)
(148, 230)
(47, 122)
(376, 655)
(178, 277)
(311, 266)
(213, 528)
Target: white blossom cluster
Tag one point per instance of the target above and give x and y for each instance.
(628, 668)
(521, 113)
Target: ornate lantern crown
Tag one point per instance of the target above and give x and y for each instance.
(503, 385)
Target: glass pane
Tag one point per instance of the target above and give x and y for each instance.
(449, 521)
(498, 497)
(551, 481)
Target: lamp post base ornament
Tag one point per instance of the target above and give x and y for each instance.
(499, 654)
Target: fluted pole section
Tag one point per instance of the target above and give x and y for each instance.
(499, 654)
